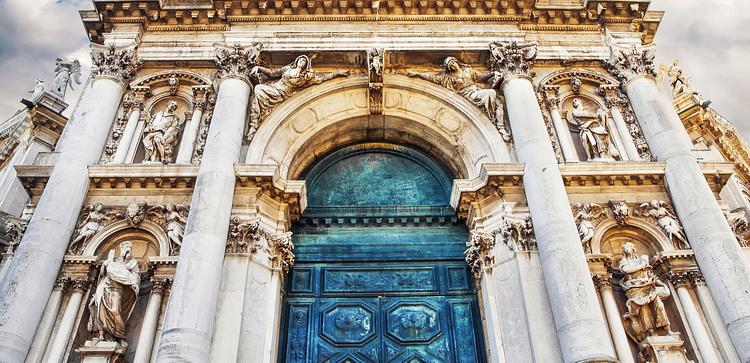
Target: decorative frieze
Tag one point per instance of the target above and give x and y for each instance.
(119, 64)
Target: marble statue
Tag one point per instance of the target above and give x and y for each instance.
(63, 74)
(584, 220)
(284, 82)
(115, 296)
(93, 219)
(667, 220)
(38, 91)
(592, 128)
(160, 135)
(173, 218)
(463, 80)
(645, 292)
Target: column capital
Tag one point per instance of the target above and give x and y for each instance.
(119, 64)
(61, 283)
(80, 284)
(236, 61)
(630, 64)
(512, 59)
(612, 97)
(160, 284)
(478, 252)
(200, 97)
(550, 95)
(680, 278)
(602, 280)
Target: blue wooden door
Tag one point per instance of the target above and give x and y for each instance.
(380, 274)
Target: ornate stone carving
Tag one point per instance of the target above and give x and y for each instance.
(375, 68)
(575, 84)
(741, 228)
(160, 284)
(585, 215)
(111, 62)
(115, 297)
(14, 230)
(518, 234)
(276, 85)
(93, 218)
(132, 101)
(646, 314)
(602, 280)
(620, 211)
(281, 250)
(172, 218)
(64, 73)
(627, 64)
(236, 61)
(512, 59)
(615, 99)
(243, 236)
(463, 80)
(592, 128)
(672, 75)
(553, 137)
(478, 253)
(662, 213)
(160, 134)
(200, 140)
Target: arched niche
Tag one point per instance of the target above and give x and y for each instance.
(417, 113)
(148, 235)
(609, 236)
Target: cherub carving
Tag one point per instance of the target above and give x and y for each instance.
(667, 220)
(92, 220)
(173, 219)
(585, 215)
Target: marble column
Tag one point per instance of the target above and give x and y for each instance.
(150, 322)
(700, 335)
(67, 322)
(33, 271)
(185, 152)
(188, 324)
(561, 128)
(616, 329)
(126, 139)
(716, 249)
(718, 330)
(43, 332)
(580, 327)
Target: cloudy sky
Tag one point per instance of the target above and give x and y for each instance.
(707, 36)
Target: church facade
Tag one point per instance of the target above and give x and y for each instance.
(373, 181)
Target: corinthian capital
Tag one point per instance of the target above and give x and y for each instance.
(236, 61)
(628, 64)
(117, 63)
(512, 59)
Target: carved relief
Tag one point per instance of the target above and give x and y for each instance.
(118, 64)
(375, 68)
(115, 296)
(518, 233)
(243, 236)
(92, 220)
(200, 140)
(161, 133)
(14, 230)
(662, 213)
(276, 85)
(132, 102)
(236, 61)
(585, 214)
(740, 228)
(462, 79)
(646, 315)
(172, 218)
(593, 131)
(676, 81)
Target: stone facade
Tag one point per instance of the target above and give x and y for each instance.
(595, 207)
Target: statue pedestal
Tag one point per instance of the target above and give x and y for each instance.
(663, 349)
(101, 352)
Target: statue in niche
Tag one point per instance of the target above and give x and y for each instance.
(592, 128)
(173, 218)
(160, 134)
(93, 219)
(63, 74)
(284, 82)
(463, 80)
(116, 293)
(646, 313)
(667, 221)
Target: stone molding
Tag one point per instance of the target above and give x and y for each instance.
(116, 63)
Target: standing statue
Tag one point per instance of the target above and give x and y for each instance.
(667, 221)
(645, 292)
(160, 135)
(676, 81)
(63, 73)
(463, 80)
(173, 219)
(285, 81)
(92, 220)
(584, 220)
(115, 296)
(36, 93)
(592, 127)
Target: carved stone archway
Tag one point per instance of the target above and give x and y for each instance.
(334, 114)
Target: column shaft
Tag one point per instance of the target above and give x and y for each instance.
(41, 339)
(580, 327)
(148, 327)
(563, 135)
(192, 302)
(185, 152)
(622, 129)
(45, 242)
(702, 340)
(716, 249)
(714, 321)
(622, 346)
(65, 329)
(127, 137)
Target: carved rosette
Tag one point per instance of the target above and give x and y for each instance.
(119, 64)
(236, 61)
(628, 64)
(478, 253)
(512, 59)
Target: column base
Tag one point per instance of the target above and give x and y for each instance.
(101, 352)
(662, 349)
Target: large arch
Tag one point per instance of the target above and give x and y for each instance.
(418, 113)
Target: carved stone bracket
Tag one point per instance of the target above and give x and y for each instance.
(119, 64)
(628, 64)
(236, 61)
(375, 69)
(512, 59)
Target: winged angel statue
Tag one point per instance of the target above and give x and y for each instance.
(173, 218)
(92, 220)
(585, 215)
(63, 74)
